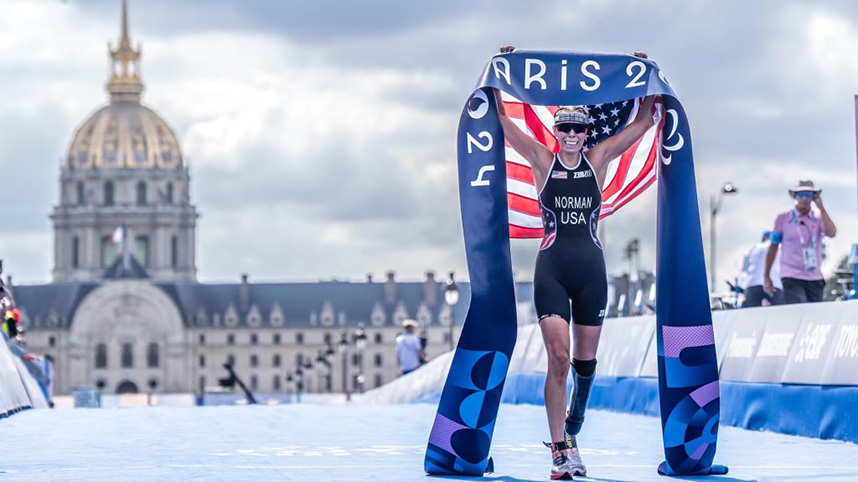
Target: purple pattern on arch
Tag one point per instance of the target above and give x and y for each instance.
(442, 431)
(677, 338)
(706, 393)
(699, 452)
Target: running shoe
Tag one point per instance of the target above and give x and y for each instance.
(561, 469)
(575, 463)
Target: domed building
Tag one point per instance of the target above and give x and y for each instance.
(124, 173)
(125, 312)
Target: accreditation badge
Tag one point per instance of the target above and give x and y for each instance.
(809, 255)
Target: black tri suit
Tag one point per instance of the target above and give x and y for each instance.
(570, 264)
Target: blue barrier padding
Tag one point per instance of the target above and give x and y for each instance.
(825, 412)
(633, 395)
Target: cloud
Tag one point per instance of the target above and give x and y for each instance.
(321, 135)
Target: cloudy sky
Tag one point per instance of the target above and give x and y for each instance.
(321, 134)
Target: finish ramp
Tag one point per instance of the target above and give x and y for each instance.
(380, 443)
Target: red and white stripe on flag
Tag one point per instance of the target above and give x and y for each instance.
(627, 177)
(118, 235)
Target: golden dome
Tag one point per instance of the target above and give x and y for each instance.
(124, 134)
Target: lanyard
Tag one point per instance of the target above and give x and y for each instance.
(798, 230)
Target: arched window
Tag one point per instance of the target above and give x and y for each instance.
(127, 387)
(80, 193)
(141, 193)
(230, 360)
(127, 356)
(169, 194)
(254, 360)
(276, 383)
(108, 193)
(254, 382)
(75, 252)
(276, 361)
(101, 355)
(152, 355)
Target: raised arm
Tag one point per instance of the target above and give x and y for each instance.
(828, 227)
(612, 147)
(530, 149)
(538, 156)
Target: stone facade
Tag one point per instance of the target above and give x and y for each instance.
(127, 335)
(130, 317)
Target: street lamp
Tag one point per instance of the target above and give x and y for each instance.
(714, 209)
(343, 348)
(329, 360)
(360, 344)
(451, 297)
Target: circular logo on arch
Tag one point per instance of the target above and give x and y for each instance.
(478, 105)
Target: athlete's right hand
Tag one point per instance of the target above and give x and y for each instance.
(505, 49)
(768, 287)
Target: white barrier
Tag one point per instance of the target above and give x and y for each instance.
(813, 344)
(18, 389)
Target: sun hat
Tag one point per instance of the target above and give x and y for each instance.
(803, 186)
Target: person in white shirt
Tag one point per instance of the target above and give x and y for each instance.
(755, 295)
(408, 349)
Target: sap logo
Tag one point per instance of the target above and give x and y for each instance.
(811, 343)
(580, 174)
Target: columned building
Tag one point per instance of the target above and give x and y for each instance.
(124, 171)
(125, 312)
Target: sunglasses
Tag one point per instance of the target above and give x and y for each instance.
(577, 128)
(807, 194)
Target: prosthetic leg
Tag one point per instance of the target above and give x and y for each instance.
(583, 373)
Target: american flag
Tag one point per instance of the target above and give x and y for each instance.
(628, 175)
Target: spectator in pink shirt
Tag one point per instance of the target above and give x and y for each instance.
(799, 231)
